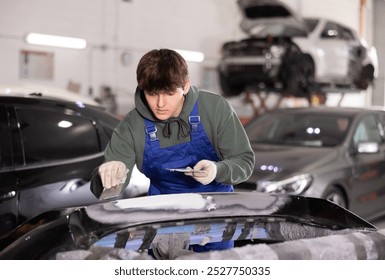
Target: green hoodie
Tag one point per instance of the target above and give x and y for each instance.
(218, 119)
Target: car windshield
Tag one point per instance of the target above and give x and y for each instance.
(299, 129)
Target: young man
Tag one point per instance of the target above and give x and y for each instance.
(173, 126)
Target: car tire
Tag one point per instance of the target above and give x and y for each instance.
(335, 195)
(366, 77)
(300, 76)
(227, 88)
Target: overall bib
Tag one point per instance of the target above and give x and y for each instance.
(157, 160)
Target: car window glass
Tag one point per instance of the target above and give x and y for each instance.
(347, 34)
(266, 11)
(105, 134)
(331, 31)
(320, 130)
(367, 131)
(5, 140)
(51, 135)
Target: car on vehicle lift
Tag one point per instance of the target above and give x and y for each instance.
(293, 55)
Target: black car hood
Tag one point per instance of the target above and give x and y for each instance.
(275, 162)
(279, 217)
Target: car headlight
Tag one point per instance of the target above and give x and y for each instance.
(277, 51)
(293, 185)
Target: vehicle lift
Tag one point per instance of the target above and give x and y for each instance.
(313, 99)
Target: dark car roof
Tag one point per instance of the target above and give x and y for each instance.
(36, 99)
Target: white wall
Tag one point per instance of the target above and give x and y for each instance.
(112, 27)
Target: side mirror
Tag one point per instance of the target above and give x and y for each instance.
(367, 148)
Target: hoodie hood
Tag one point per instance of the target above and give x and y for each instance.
(145, 111)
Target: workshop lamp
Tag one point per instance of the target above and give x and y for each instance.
(55, 41)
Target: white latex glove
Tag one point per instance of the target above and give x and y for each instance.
(209, 172)
(112, 173)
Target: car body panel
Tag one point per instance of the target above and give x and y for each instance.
(131, 223)
(332, 55)
(359, 175)
(45, 164)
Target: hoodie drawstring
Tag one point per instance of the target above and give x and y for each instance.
(183, 128)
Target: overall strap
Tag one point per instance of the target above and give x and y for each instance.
(194, 119)
(151, 131)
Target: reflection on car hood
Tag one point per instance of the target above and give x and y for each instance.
(267, 12)
(279, 217)
(278, 161)
(177, 207)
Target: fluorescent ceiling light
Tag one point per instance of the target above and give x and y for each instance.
(55, 41)
(191, 55)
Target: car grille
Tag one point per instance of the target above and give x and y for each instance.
(247, 52)
(247, 48)
(250, 73)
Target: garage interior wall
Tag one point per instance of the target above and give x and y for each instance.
(119, 32)
(379, 42)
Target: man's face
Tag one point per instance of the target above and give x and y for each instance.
(165, 104)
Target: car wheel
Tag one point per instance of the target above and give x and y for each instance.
(366, 77)
(227, 88)
(300, 80)
(336, 195)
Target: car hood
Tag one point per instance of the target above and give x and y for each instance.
(274, 162)
(137, 221)
(267, 12)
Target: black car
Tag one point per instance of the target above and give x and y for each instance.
(336, 153)
(295, 56)
(164, 226)
(48, 149)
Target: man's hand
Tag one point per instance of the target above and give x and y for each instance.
(112, 173)
(209, 172)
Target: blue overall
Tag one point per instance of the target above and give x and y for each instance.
(157, 160)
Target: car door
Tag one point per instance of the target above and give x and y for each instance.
(335, 51)
(357, 53)
(369, 168)
(61, 147)
(8, 178)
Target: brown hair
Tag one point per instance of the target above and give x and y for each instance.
(161, 69)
